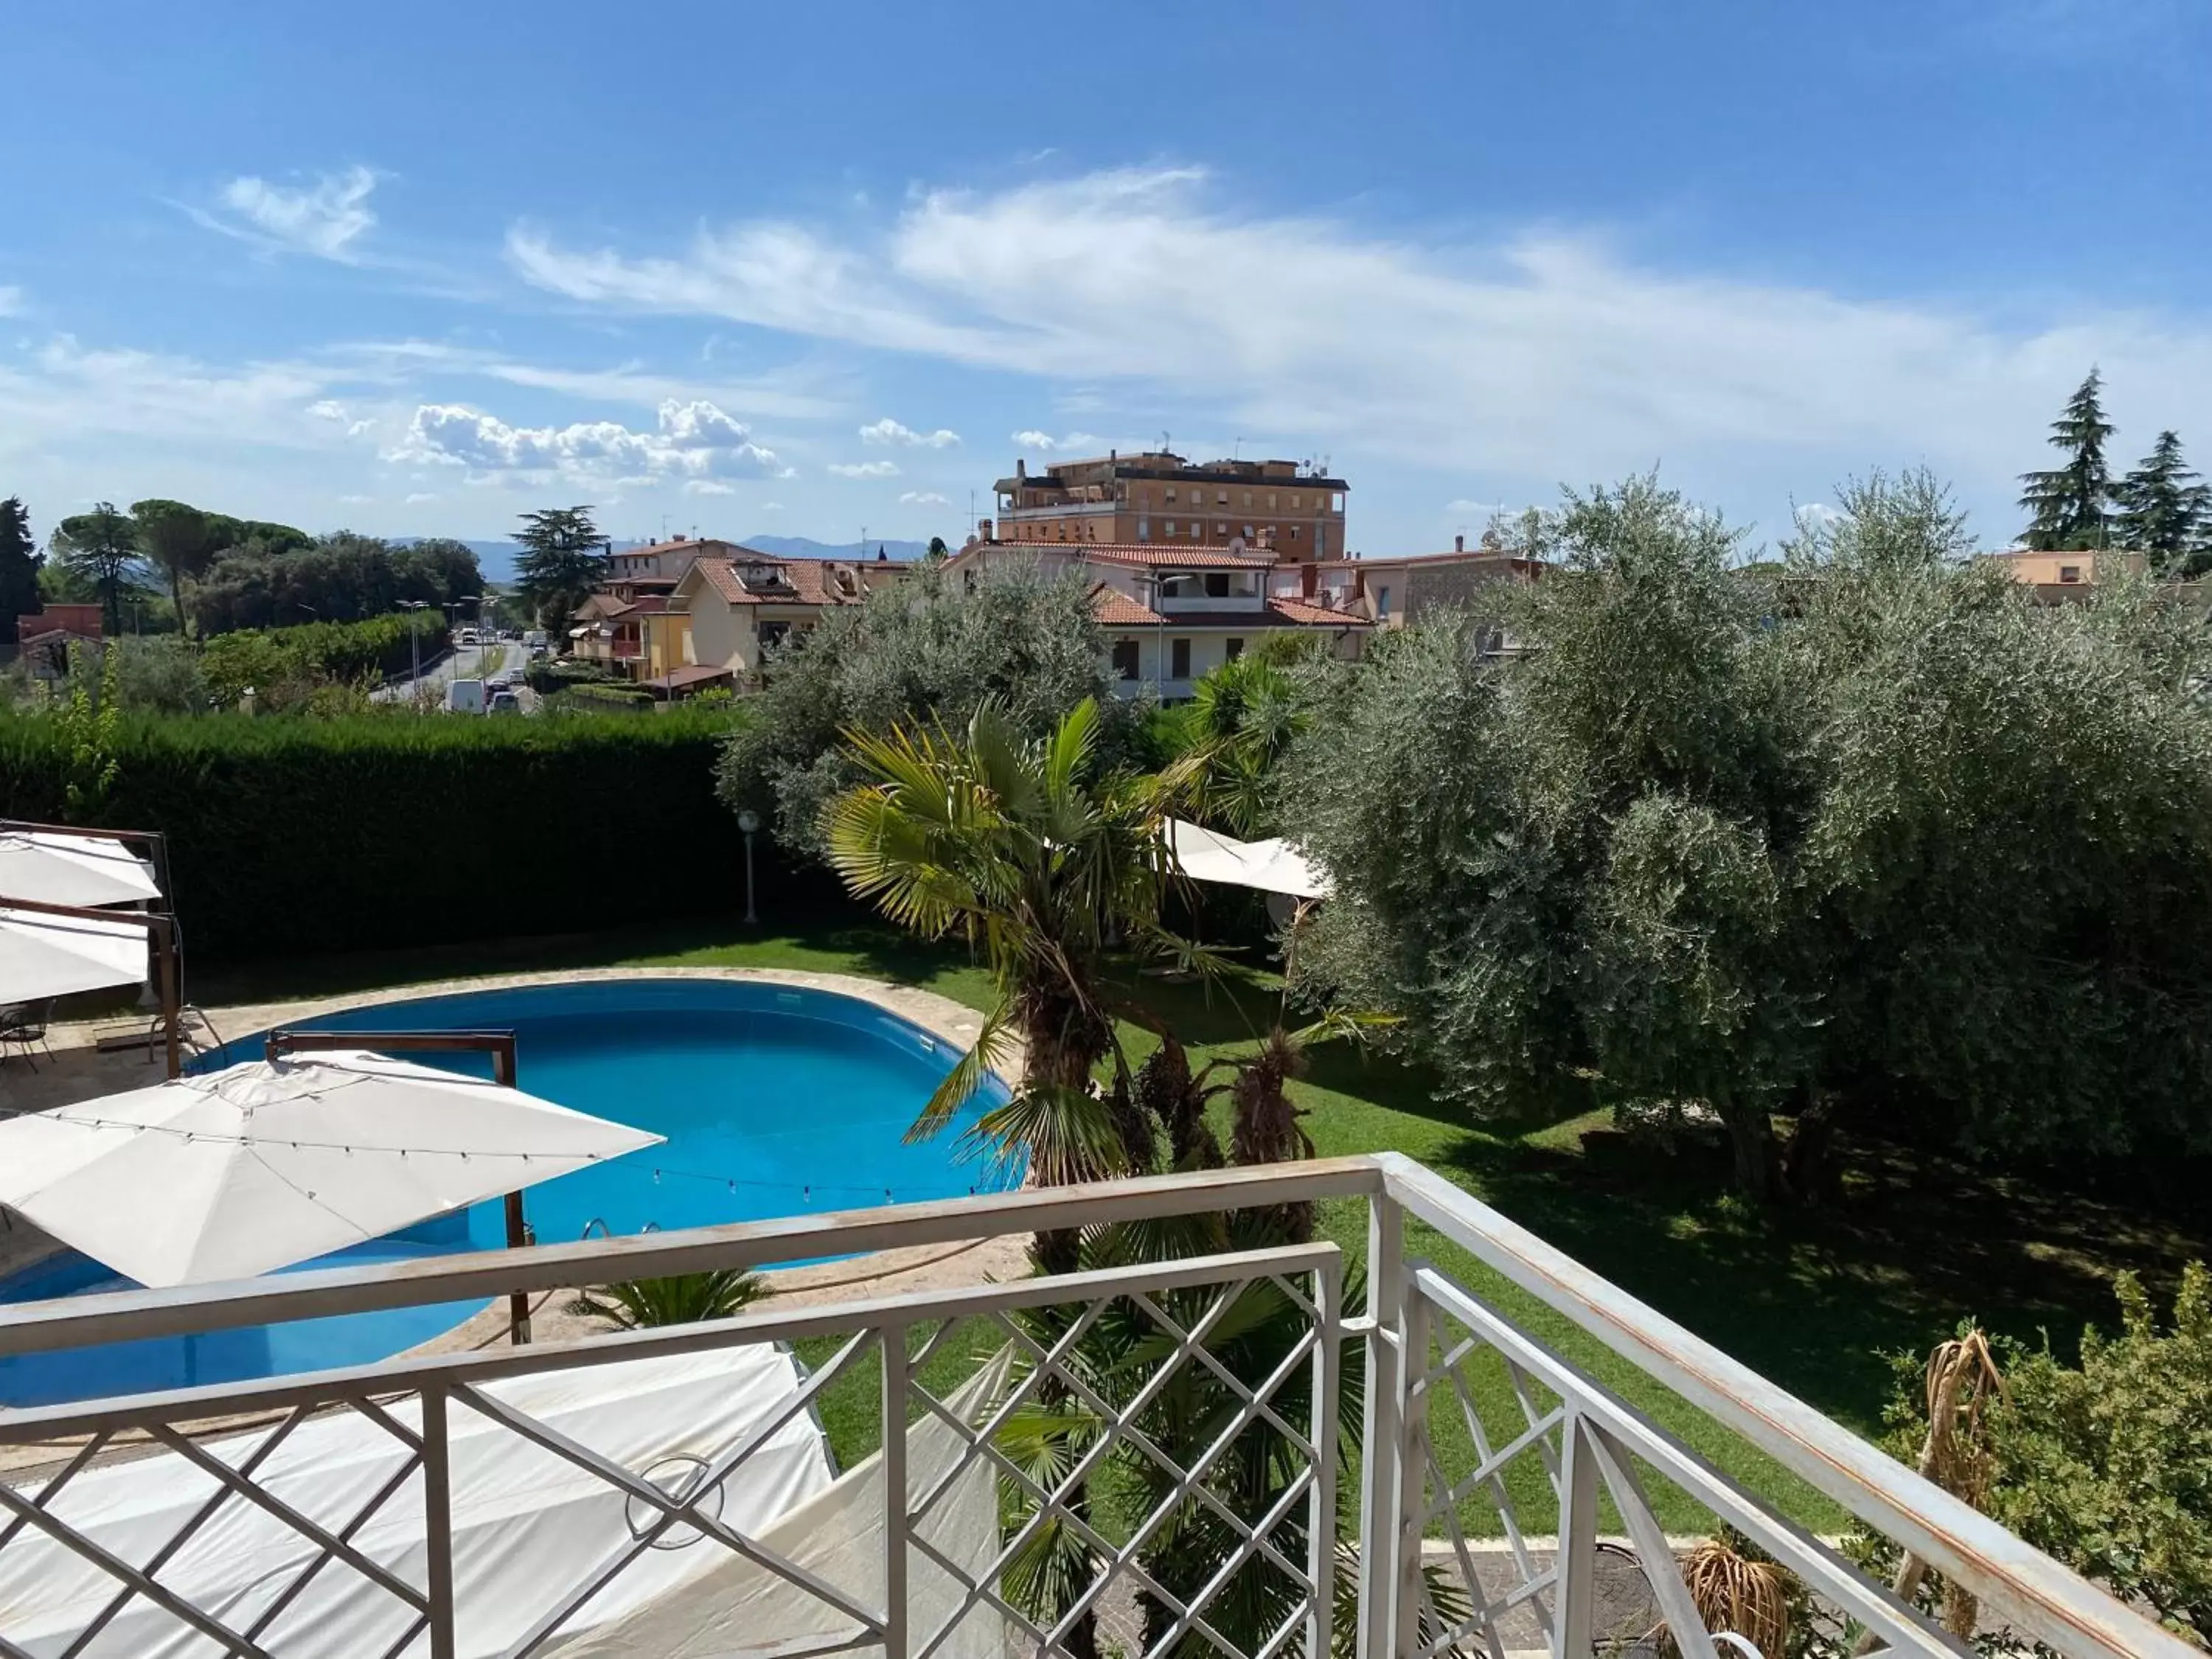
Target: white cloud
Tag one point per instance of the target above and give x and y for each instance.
(771, 506)
(421, 496)
(1463, 506)
(889, 431)
(63, 388)
(330, 408)
(690, 441)
(923, 498)
(1816, 512)
(1550, 355)
(356, 501)
(324, 219)
(864, 469)
(1034, 439)
(708, 487)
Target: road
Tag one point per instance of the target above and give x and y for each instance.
(467, 662)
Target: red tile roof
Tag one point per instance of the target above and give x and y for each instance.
(1177, 558)
(1111, 610)
(1303, 611)
(809, 581)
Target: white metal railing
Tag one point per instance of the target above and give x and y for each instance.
(1435, 1463)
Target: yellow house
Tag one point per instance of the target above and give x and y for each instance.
(666, 643)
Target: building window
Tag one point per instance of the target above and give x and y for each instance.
(1144, 530)
(1321, 541)
(1232, 649)
(1221, 527)
(772, 633)
(1171, 492)
(1247, 532)
(1382, 602)
(1248, 498)
(1124, 659)
(1294, 500)
(1171, 526)
(1216, 584)
(1179, 660)
(1196, 530)
(1271, 503)
(1221, 498)
(2069, 573)
(1294, 532)
(1336, 502)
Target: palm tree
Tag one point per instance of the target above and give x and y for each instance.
(678, 1299)
(1235, 728)
(1041, 860)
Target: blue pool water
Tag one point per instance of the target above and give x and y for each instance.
(776, 1101)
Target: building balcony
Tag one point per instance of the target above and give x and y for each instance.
(1484, 1495)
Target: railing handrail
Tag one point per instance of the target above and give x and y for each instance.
(124, 1316)
(1958, 1540)
(2071, 1613)
(769, 1323)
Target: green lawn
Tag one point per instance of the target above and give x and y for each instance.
(1814, 1302)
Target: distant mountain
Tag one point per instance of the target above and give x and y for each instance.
(806, 547)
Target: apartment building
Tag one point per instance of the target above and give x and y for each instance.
(1172, 615)
(1394, 590)
(1158, 498)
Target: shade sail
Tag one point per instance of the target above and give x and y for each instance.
(526, 1524)
(56, 869)
(1272, 866)
(43, 956)
(254, 1167)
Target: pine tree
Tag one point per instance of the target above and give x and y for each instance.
(563, 555)
(20, 560)
(100, 548)
(2071, 503)
(2165, 512)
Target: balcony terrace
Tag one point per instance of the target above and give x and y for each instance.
(1539, 1533)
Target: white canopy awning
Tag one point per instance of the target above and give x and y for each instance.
(85, 870)
(1272, 866)
(254, 1167)
(44, 955)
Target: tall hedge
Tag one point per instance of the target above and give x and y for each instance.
(292, 835)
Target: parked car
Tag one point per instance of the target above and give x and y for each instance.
(464, 696)
(504, 703)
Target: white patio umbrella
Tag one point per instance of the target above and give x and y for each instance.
(65, 869)
(257, 1166)
(46, 956)
(1272, 866)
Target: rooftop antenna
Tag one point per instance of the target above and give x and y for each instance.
(1237, 449)
(1166, 448)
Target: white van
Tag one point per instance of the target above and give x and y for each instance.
(464, 697)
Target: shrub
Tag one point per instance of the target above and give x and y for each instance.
(2109, 1467)
(292, 835)
(160, 675)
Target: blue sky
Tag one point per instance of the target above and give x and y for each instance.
(414, 269)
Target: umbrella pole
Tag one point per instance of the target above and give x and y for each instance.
(164, 933)
(518, 1231)
(500, 1045)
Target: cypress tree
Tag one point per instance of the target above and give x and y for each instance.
(19, 567)
(2070, 504)
(2164, 510)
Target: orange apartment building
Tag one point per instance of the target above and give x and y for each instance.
(1159, 498)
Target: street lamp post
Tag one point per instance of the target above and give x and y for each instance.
(414, 643)
(748, 822)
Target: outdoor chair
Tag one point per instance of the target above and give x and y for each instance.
(24, 1024)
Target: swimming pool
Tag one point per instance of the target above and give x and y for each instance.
(775, 1100)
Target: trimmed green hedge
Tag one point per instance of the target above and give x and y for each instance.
(292, 835)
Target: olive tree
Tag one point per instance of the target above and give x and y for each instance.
(1872, 835)
(925, 649)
